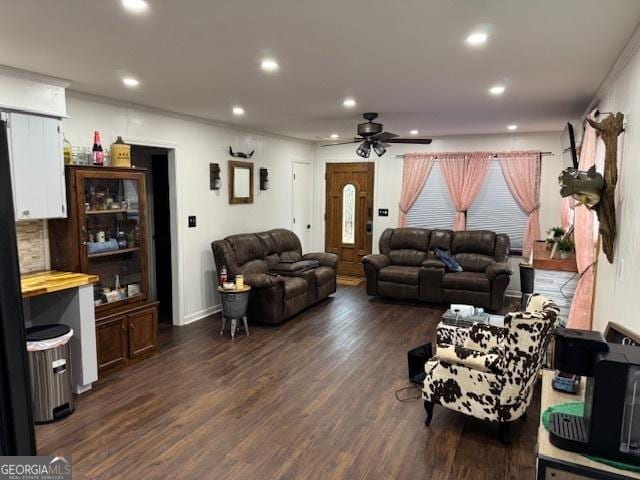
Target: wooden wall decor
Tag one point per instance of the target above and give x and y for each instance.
(240, 182)
(608, 129)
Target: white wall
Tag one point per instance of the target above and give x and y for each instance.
(617, 297)
(197, 144)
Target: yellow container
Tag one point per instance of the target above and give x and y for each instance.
(120, 154)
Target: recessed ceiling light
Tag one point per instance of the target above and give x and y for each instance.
(238, 111)
(414, 132)
(349, 103)
(334, 135)
(512, 127)
(496, 90)
(130, 82)
(477, 39)
(135, 6)
(269, 65)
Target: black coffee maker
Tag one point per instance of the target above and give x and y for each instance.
(610, 427)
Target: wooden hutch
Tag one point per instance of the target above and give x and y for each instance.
(105, 234)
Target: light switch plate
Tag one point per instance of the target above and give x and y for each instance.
(383, 212)
(192, 221)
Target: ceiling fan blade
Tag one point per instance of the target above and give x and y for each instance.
(383, 136)
(417, 141)
(342, 143)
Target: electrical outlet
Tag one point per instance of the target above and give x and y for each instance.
(192, 221)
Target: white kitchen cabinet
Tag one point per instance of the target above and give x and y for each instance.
(37, 166)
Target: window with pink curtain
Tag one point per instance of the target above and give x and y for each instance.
(415, 170)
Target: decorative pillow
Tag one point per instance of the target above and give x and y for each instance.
(447, 260)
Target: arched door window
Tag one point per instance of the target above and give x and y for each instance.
(348, 213)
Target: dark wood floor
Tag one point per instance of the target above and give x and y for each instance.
(310, 399)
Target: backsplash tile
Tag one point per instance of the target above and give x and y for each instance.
(33, 245)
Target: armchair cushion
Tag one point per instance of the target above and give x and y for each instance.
(496, 269)
(377, 261)
(473, 359)
(323, 258)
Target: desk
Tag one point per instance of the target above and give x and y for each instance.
(65, 297)
(557, 464)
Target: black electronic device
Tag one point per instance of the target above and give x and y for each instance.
(610, 426)
(417, 357)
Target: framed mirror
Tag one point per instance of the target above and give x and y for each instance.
(240, 182)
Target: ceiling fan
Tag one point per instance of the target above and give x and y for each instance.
(371, 136)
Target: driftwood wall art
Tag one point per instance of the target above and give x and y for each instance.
(608, 129)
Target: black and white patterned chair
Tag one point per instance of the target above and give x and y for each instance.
(489, 372)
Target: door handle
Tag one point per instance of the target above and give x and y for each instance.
(369, 227)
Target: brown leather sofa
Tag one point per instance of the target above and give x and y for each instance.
(407, 268)
(283, 281)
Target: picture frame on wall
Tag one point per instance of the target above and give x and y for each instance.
(240, 182)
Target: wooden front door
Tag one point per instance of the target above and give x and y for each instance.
(349, 214)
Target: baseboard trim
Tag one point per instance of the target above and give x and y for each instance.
(513, 293)
(194, 317)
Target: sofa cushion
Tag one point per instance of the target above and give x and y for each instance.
(473, 262)
(400, 274)
(407, 257)
(473, 281)
(410, 238)
(474, 241)
(294, 286)
(246, 246)
(440, 239)
(254, 266)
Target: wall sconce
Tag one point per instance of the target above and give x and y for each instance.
(215, 182)
(264, 179)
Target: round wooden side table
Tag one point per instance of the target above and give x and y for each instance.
(234, 308)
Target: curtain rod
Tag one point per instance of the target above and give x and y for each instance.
(495, 155)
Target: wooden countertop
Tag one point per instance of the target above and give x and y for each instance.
(41, 283)
(542, 261)
(547, 450)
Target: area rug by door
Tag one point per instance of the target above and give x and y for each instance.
(349, 281)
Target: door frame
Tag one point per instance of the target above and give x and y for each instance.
(310, 163)
(325, 192)
(175, 197)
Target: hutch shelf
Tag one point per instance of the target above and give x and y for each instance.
(105, 234)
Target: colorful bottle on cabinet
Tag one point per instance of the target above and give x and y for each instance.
(223, 275)
(97, 155)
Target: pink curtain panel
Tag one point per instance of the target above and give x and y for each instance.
(415, 171)
(565, 212)
(580, 313)
(464, 174)
(522, 172)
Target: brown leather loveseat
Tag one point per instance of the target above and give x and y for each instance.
(407, 268)
(283, 281)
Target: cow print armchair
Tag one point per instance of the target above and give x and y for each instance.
(490, 372)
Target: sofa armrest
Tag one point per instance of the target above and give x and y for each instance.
(494, 270)
(262, 280)
(434, 263)
(473, 359)
(325, 259)
(378, 261)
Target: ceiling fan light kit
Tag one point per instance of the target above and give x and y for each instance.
(371, 135)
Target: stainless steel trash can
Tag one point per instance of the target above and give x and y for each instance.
(50, 369)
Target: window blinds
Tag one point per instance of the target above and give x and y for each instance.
(433, 208)
(495, 208)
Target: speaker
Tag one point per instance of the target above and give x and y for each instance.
(417, 358)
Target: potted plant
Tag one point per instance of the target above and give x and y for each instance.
(554, 234)
(565, 246)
